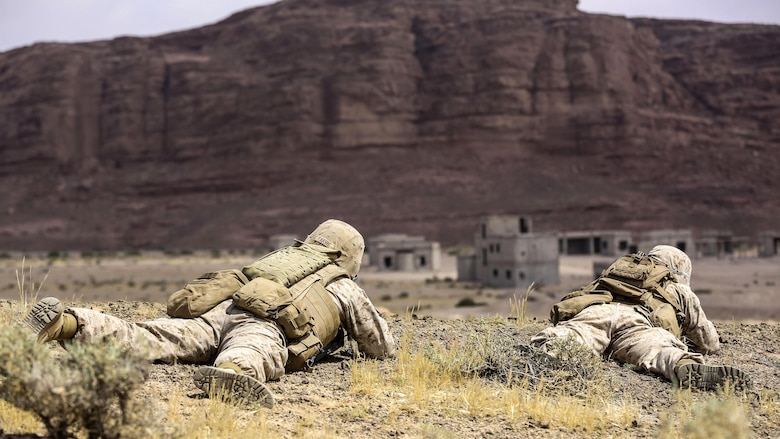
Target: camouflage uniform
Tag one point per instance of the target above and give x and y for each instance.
(230, 334)
(621, 332)
(246, 349)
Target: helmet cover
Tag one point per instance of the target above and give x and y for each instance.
(678, 262)
(338, 235)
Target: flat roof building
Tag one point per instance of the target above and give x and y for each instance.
(400, 252)
(596, 242)
(680, 238)
(508, 255)
(769, 243)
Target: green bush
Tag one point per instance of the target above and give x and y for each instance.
(718, 418)
(88, 389)
(467, 302)
(573, 369)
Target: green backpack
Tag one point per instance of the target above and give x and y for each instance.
(634, 279)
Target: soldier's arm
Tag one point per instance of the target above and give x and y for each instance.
(696, 326)
(362, 321)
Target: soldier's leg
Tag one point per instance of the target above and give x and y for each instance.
(252, 351)
(658, 351)
(164, 339)
(649, 348)
(592, 327)
(255, 345)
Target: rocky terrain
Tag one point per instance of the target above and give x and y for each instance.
(325, 402)
(740, 296)
(395, 115)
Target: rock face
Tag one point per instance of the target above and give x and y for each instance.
(395, 115)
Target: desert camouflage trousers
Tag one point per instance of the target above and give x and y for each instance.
(224, 334)
(619, 332)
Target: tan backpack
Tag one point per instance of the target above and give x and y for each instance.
(285, 266)
(287, 286)
(204, 293)
(306, 311)
(634, 279)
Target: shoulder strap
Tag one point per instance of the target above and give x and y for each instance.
(326, 274)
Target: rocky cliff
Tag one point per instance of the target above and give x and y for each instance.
(395, 115)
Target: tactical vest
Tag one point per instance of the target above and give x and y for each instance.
(634, 279)
(289, 265)
(288, 286)
(285, 266)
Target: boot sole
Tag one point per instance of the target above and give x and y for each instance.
(704, 377)
(43, 317)
(221, 383)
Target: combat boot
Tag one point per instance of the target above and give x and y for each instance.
(692, 375)
(47, 320)
(230, 382)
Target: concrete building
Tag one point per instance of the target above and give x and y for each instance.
(769, 243)
(508, 255)
(680, 238)
(605, 242)
(399, 252)
(467, 267)
(713, 243)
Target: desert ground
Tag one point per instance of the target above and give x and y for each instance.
(741, 296)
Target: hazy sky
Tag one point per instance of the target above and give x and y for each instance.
(24, 22)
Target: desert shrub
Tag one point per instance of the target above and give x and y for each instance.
(572, 370)
(55, 254)
(468, 302)
(722, 416)
(718, 418)
(487, 373)
(485, 353)
(769, 404)
(89, 388)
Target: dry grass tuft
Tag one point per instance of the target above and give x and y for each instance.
(723, 415)
(28, 291)
(484, 376)
(518, 308)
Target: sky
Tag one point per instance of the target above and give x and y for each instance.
(23, 22)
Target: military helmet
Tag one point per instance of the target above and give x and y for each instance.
(340, 236)
(678, 262)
